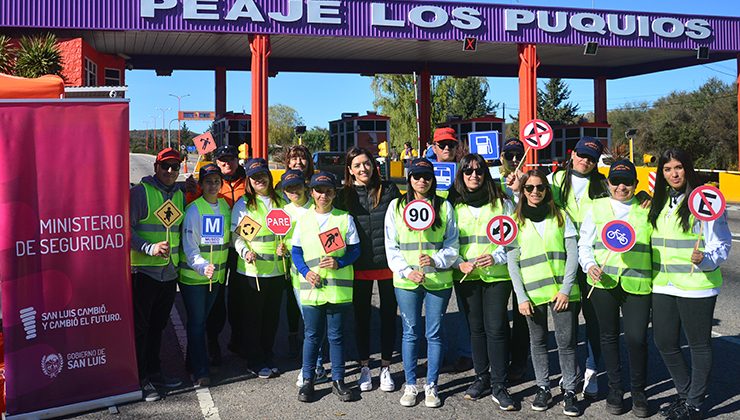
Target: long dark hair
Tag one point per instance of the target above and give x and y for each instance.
(436, 200)
(251, 195)
(300, 150)
(493, 189)
(596, 185)
(553, 210)
(661, 187)
(373, 188)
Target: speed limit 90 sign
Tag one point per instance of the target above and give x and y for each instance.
(419, 215)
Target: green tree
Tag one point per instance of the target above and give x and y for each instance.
(469, 98)
(553, 105)
(38, 56)
(394, 97)
(316, 139)
(282, 122)
(7, 55)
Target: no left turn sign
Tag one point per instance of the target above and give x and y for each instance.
(502, 230)
(707, 203)
(537, 134)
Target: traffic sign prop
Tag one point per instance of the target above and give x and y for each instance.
(212, 229)
(248, 228)
(484, 143)
(706, 203)
(444, 172)
(419, 215)
(168, 214)
(278, 221)
(331, 240)
(536, 134)
(618, 236)
(502, 230)
(204, 143)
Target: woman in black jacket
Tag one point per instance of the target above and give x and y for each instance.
(366, 198)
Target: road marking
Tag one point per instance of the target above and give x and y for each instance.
(207, 406)
(729, 338)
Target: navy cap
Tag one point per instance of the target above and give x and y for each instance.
(255, 166)
(323, 179)
(226, 150)
(421, 166)
(622, 169)
(590, 147)
(513, 145)
(292, 177)
(209, 169)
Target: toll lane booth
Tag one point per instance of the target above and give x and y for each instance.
(484, 123)
(566, 137)
(366, 131)
(233, 128)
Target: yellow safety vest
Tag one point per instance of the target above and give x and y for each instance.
(295, 213)
(268, 264)
(474, 242)
(575, 210)
(151, 230)
(216, 255)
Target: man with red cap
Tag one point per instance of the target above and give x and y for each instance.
(445, 144)
(154, 262)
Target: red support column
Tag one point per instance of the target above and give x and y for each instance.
(528, 62)
(738, 111)
(220, 91)
(260, 48)
(425, 109)
(600, 100)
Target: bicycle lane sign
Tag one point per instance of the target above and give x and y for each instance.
(618, 236)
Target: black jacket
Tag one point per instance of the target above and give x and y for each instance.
(369, 223)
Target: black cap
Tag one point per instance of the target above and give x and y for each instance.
(590, 147)
(323, 179)
(292, 177)
(622, 170)
(513, 145)
(255, 166)
(226, 151)
(421, 166)
(209, 169)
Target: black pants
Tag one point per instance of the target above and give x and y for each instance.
(262, 310)
(292, 312)
(694, 316)
(485, 308)
(519, 344)
(362, 292)
(152, 301)
(636, 317)
(593, 340)
(224, 307)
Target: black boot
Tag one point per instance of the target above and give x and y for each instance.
(341, 390)
(305, 394)
(479, 387)
(640, 406)
(615, 401)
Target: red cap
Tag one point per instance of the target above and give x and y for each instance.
(444, 133)
(167, 154)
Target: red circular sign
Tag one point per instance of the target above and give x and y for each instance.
(536, 134)
(278, 221)
(502, 230)
(707, 203)
(419, 215)
(618, 236)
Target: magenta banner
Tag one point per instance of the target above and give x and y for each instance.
(64, 260)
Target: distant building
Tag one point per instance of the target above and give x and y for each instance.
(366, 131)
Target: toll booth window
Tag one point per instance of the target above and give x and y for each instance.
(603, 132)
(112, 77)
(483, 126)
(559, 152)
(365, 125)
(497, 127)
(91, 73)
(465, 128)
(573, 132)
(333, 128)
(330, 159)
(381, 125)
(239, 125)
(545, 154)
(570, 144)
(349, 126)
(591, 132)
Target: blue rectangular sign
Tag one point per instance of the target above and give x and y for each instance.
(445, 174)
(484, 143)
(212, 229)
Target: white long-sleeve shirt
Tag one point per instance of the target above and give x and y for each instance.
(588, 232)
(237, 214)
(191, 239)
(443, 259)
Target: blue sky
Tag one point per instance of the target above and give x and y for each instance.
(320, 98)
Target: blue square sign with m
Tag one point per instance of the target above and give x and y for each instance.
(212, 229)
(444, 172)
(484, 143)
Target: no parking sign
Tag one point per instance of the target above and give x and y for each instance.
(707, 203)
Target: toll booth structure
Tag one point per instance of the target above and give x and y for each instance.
(233, 128)
(565, 138)
(365, 131)
(474, 125)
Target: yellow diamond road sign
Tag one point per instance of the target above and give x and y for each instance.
(168, 213)
(248, 228)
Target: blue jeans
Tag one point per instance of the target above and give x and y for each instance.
(409, 303)
(198, 303)
(320, 357)
(320, 321)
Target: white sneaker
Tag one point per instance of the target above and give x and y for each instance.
(431, 399)
(366, 381)
(409, 396)
(591, 384)
(386, 382)
(299, 381)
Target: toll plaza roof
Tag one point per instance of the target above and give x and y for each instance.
(376, 36)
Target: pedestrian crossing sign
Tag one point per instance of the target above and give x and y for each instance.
(168, 213)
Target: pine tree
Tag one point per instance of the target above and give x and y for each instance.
(553, 105)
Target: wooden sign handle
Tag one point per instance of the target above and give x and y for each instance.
(696, 246)
(602, 270)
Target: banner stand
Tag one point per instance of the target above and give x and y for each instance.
(78, 407)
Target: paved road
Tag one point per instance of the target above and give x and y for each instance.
(141, 165)
(232, 396)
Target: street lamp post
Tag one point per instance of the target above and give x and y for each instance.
(169, 128)
(146, 141)
(179, 97)
(163, 111)
(154, 131)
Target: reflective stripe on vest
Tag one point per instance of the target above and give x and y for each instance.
(216, 254)
(336, 285)
(632, 268)
(432, 241)
(267, 264)
(543, 261)
(576, 210)
(474, 242)
(151, 229)
(672, 248)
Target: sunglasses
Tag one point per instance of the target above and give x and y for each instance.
(447, 144)
(469, 171)
(626, 181)
(167, 166)
(512, 156)
(588, 158)
(540, 187)
(425, 177)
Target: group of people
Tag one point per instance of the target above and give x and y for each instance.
(342, 240)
